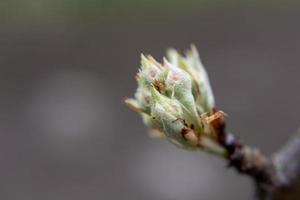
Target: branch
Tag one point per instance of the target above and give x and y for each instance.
(250, 161)
(287, 160)
(276, 178)
(287, 163)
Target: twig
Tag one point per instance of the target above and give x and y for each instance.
(287, 163)
(276, 178)
(249, 161)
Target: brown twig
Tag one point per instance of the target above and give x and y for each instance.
(270, 175)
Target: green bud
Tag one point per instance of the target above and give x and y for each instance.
(170, 106)
(176, 100)
(179, 84)
(191, 63)
(150, 71)
(144, 98)
(172, 127)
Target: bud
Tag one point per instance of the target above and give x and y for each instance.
(172, 126)
(191, 63)
(150, 71)
(168, 112)
(179, 84)
(176, 101)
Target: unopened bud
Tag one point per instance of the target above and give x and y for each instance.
(176, 101)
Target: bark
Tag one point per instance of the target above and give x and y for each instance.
(276, 177)
(287, 162)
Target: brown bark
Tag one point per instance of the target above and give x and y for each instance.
(276, 177)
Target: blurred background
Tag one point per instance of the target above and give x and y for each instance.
(66, 67)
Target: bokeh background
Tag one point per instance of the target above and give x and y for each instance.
(66, 66)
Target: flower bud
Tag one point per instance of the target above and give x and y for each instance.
(176, 101)
(172, 127)
(163, 105)
(150, 71)
(179, 84)
(191, 63)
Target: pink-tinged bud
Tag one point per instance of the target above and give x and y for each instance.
(172, 98)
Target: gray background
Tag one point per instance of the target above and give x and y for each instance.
(65, 133)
